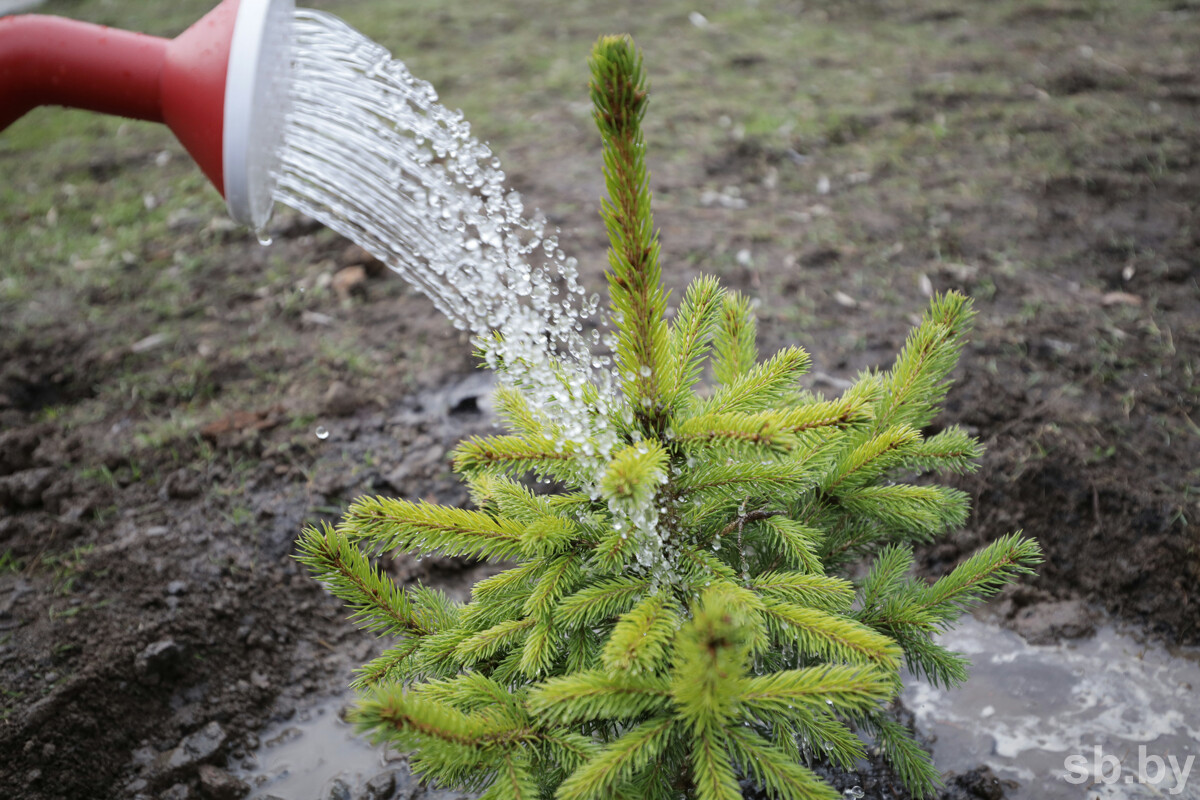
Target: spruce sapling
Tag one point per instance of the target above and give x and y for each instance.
(678, 615)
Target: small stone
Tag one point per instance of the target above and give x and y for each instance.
(1120, 299)
(195, 749)
(182, 484)
(217, 784)
(340, 400)
(382, 786)
(354, 255)
(143, 757)
(151, 342)
(316, 318)
(179, 791)
(925, 285)
(407, 786)
(977, 784)
(350, 281)
(162, 658)
(284, 736)
(183, 220)
(337, 789)
(844, 300)
(177, 587)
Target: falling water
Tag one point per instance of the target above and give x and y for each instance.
(369, 151)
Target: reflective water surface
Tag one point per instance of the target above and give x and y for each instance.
(1027, 709)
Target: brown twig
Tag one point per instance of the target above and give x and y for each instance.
(751, 516)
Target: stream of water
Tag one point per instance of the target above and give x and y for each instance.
(370, 152)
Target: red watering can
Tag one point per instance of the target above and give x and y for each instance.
(220, 86)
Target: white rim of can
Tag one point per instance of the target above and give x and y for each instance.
(255, 106)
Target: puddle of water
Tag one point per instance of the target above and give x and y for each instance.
(317, 756)
(304, 757)
(1093, 718)
(1025, 711)
(299, 759)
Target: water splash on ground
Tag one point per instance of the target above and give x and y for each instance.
(318, 755)
(1027, 708)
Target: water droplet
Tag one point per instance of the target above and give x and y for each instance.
(264, 238)
(828, 745)
(322, 432)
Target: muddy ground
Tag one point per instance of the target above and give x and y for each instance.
(162, 375)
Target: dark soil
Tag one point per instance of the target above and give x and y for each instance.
(151, 617)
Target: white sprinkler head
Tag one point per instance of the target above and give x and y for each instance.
(256, 104)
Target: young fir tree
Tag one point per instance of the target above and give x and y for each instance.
(680, 615)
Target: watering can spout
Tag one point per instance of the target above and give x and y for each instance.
(220, 86)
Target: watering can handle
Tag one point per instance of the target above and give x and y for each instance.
(48, 60)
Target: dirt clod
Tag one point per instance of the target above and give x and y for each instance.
(350, 282)
(195, 749)
(340, 400)
(161, 659)
(24, 489)
(217, 784)
(1045, 623)
(978, 784)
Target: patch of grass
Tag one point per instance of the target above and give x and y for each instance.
(166, 432)
(66, 567)
(239, 516)
(347, 355)
(9, 562)
(100, 474)
(64, 613)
